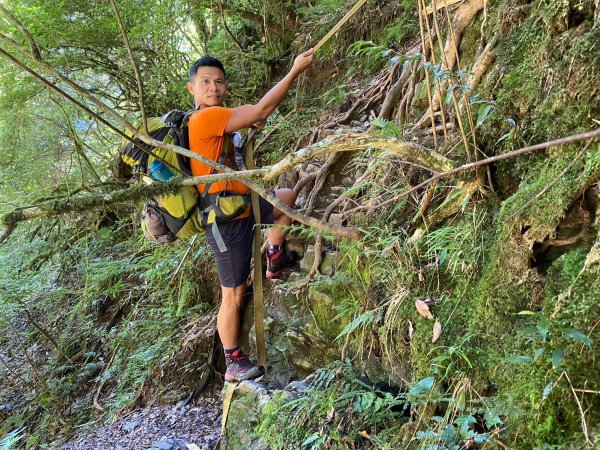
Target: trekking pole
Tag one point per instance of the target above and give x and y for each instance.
(259, 303)
(340, 24)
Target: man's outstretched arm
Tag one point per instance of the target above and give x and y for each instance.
(246, 115)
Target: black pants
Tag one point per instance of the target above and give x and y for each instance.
(233, 265)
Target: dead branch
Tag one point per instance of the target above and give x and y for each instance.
(544, 145)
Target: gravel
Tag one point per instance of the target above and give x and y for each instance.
(164, 427)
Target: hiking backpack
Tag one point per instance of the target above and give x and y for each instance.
(186, 213)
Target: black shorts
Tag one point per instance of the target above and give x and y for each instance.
(233, 265)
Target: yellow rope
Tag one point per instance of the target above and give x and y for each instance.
(340, 24)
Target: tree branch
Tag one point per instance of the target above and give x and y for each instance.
(566, 140)
(136, 70)
(35, 51)
(411, 152)
(351, 142)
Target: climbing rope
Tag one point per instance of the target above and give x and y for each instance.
(340, 24)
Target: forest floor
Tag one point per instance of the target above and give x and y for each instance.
(164, 427)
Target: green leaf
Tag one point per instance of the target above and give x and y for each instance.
(538, 353)
(544, 327)
(312, 438)
(422, 386)
(520, 359)
(484, 112)
(422, 435)
(503, 137)
(557, 356)
(465, 420)
(526, 313)
(573, 333)
(548, 389)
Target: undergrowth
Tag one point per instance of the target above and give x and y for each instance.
(99, 320)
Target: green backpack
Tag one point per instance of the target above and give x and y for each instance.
(167, 218)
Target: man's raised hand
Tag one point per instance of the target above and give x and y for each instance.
(304, 60)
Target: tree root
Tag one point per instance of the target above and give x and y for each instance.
(372, 95)
(451, 208)
(463, 17)
(320, 182)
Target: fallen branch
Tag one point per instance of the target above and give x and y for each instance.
(544, 145)
(351, 142)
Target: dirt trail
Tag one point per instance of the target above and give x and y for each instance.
(164, 427)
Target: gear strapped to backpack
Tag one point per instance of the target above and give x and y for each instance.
(186, 213)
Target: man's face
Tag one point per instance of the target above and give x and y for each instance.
(208, 87)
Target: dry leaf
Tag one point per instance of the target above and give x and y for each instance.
(421, 276)
(437, 331)
(411, 330)
(365, 435)
(423, 309)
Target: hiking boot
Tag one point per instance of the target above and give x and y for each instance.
(240, 368)
(277, 260)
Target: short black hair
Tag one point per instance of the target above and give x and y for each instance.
(206, 61)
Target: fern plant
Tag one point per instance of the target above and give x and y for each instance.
(8, 442)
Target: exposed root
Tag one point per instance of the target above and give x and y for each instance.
(482, 65)
(452, 207)
(374, 93)
(395, 92)
(320, 182)
(318, 247)
(463, 17)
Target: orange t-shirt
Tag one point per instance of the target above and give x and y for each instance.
(206, 133)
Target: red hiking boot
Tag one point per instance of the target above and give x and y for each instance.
(240, 368)
(277, 260)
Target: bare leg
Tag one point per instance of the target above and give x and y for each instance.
(276, 235)
(228, 318)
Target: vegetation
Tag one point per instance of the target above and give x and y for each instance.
(466, 316)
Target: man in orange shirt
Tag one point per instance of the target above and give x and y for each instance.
(207, 129)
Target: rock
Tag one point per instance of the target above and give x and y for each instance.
(294, 276)
(297, 337)
(167, 444)
(308, 260)
(336, 219)
(320, 298)
(295, 245)
(347, 181)
(304, 364)
(329, 264)
(130, 426)
(297, 386)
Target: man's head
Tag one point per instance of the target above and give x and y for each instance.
(207, 82)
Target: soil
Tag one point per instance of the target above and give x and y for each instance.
(168, 427)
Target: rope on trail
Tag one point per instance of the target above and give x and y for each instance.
(340, 24)
(257, 293)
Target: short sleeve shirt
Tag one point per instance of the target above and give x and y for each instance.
(207, 135)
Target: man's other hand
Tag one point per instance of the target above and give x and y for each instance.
(259, 126)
